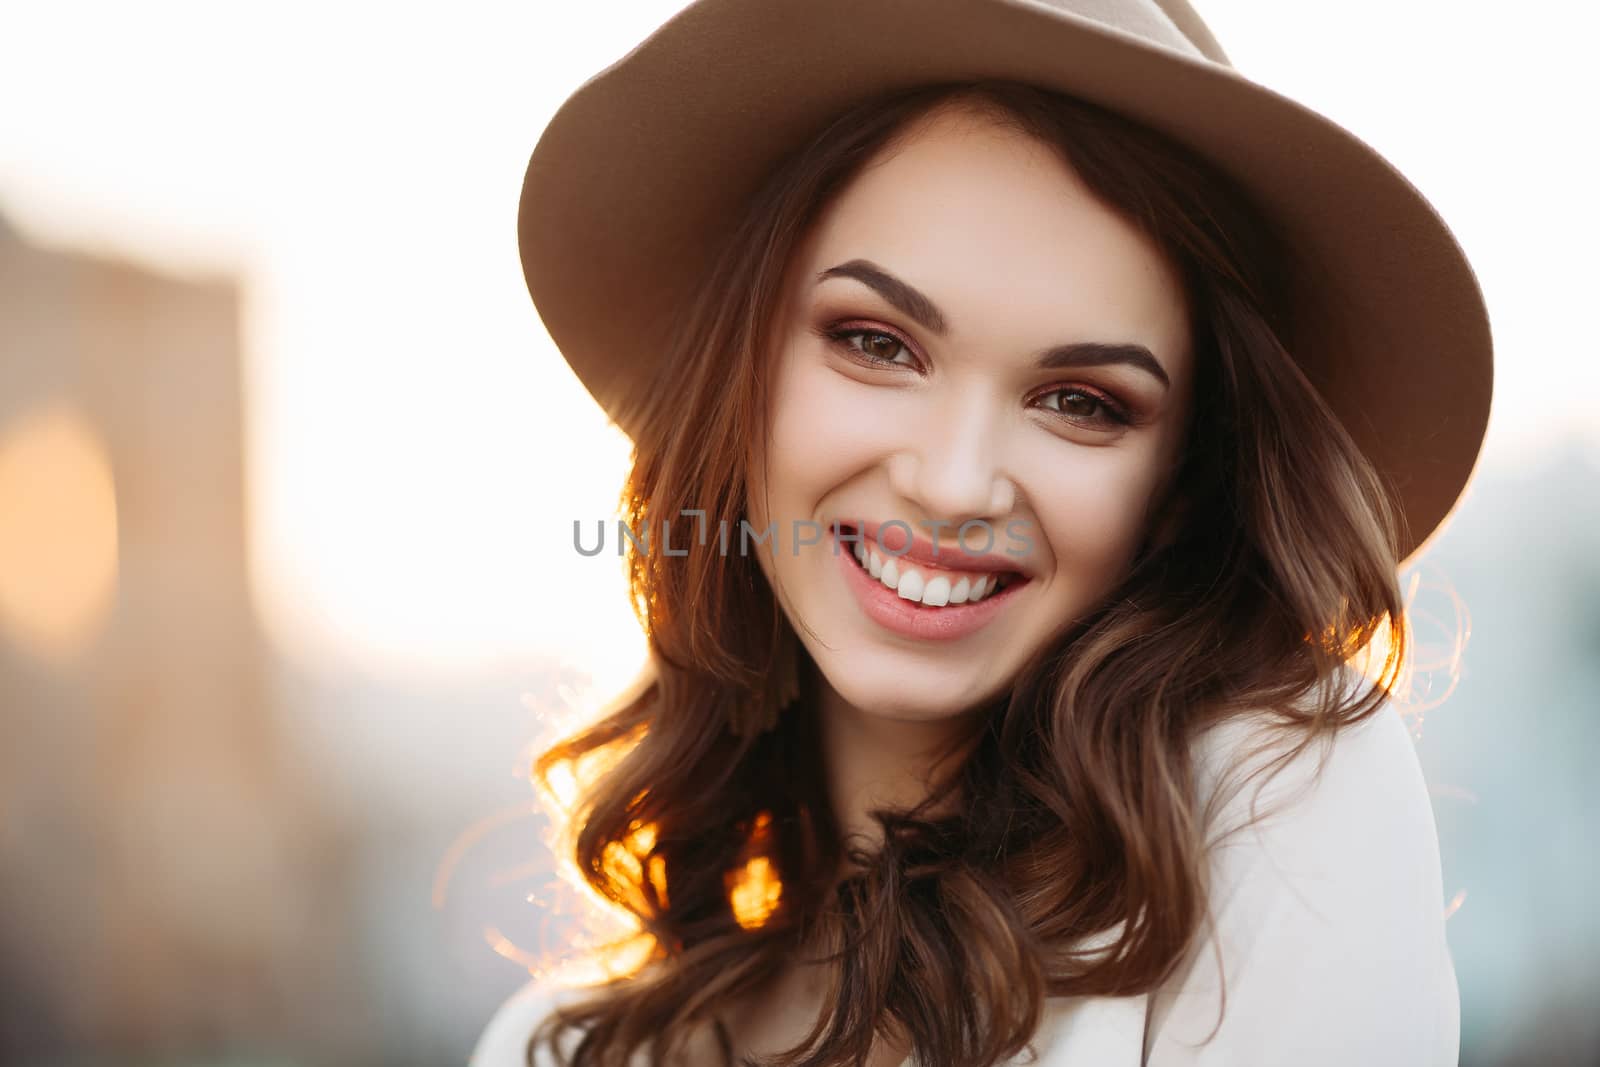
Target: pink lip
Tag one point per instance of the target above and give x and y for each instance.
(891, 611)
(892, 541)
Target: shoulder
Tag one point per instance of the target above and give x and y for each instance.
(1361, 789)
(504, 1041)
(1326, 942)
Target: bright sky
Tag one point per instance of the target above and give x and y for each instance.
(417, 448)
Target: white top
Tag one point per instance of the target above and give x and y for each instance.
(1329, 916)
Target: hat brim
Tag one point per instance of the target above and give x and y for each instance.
(639, 176)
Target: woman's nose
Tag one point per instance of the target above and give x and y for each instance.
(950, 471)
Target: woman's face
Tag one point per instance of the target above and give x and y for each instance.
(968, 338)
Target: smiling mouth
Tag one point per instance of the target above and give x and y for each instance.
(933, 587)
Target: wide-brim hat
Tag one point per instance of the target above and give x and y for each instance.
(641, 174)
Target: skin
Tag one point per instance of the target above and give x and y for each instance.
(1001, 235)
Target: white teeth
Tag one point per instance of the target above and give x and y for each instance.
(936, 592)
(910, 587)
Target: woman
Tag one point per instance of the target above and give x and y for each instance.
(1017, 487)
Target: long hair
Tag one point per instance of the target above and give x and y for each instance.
(1080, 825)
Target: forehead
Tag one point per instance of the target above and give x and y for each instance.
(1001, 233)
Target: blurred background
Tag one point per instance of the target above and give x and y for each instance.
(288, 469)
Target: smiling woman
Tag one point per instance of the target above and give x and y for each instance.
(1033, 715)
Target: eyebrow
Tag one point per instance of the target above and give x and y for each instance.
(913, 302)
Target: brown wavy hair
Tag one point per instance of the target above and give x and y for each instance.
(1080, 817)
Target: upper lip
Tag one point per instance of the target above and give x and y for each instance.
(950, 557)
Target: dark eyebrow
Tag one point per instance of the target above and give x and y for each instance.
(1096, 353)
(900, 294)
(912, 302)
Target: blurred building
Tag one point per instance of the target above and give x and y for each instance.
(162, 870)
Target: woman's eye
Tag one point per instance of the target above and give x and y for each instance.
(1082, 405)
(874, 346)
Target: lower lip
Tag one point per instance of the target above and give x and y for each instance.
(910, 619)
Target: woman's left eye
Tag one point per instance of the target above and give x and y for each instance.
(1084, 406)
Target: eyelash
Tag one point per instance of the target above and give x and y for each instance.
(843, 339)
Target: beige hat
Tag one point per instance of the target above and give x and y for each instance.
(643, 170)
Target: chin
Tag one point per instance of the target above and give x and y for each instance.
(883, 691)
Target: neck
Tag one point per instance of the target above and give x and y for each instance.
(873, 761)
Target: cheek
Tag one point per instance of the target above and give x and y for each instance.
(825, 430)
(1093, 513)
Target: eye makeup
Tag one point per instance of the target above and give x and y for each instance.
(852, 342)
(856, 342)
(1113, 412)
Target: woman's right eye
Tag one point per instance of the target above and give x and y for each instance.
(876, 347)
